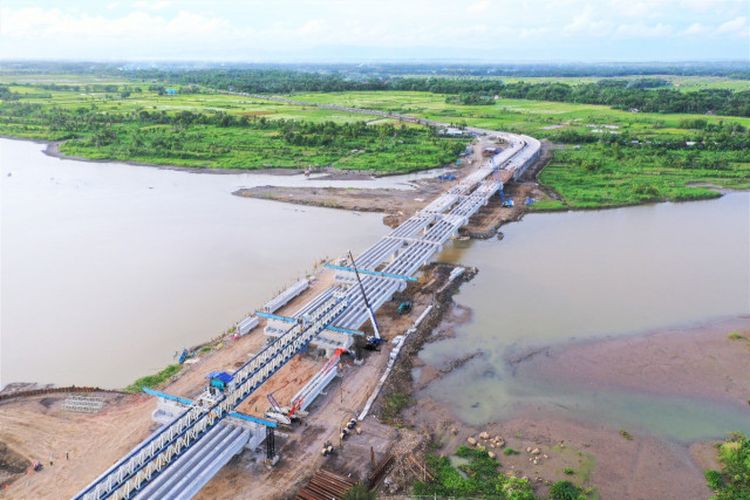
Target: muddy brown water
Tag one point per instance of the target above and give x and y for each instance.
(109, 269)
(581, 275)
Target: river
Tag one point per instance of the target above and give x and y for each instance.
(591, 274)
(108, 269)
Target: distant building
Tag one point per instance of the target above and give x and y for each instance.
(451, 131)
(171, 91)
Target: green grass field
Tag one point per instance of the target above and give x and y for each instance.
(211, 146)
(591, 175)
(652, 161)
(541, 119)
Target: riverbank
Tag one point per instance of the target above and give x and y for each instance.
(548, 443)
(52, 149)
(707, 361)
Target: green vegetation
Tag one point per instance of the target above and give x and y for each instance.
(478, 477)
(736, 336)
(569, 471)
(154, 380)
(360, 492)
(565, 490)
(393, 405)
(610, 157)
(625, 434)
(132, 123)
(585, 463)
(510, 451)
(602, 175)
(644, 93)
(733, 481)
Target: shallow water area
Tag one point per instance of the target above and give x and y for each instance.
(579, 275)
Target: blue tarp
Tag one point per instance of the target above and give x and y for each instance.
(222, 376)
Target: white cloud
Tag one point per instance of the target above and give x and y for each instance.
(586, 23)
(641, 30)
(478, 7)
(736, 25)
(631, 8)
(34, 22)
(154, 5)
(695, 29)
(214, 30)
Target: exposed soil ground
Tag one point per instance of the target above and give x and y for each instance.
(397, 204)
(639, 467)
(39, 429)
(708, 362)
(343, 400)
(700, 362)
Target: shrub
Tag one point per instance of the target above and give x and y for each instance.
(565, 490)
(155, 379)
(359, 492)
(733, 481)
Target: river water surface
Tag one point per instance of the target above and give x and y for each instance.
(589, 274)
(108, 269)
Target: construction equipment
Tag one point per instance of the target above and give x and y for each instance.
(219, 380)
(404, 307)
(327, 449)
(183, 356)
(315, 386)
(373, 340)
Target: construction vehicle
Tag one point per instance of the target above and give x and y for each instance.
(373, 343)
(404, 307)
(327, 449)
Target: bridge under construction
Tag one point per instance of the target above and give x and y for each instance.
(199, 436)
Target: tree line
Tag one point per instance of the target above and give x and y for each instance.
(644, 94)
(98, 126)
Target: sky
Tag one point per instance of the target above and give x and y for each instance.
(376, 30)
